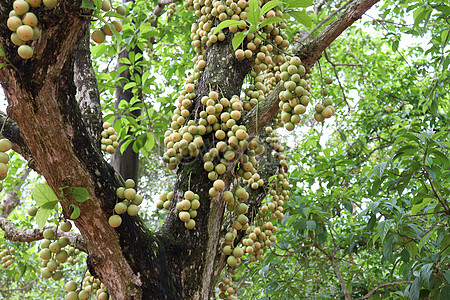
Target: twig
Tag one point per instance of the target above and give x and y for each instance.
(29, 284)
(382, 286)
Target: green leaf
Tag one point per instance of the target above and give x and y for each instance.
(311, 224)
(44, 212)
(447, 275)
(98, 3)
(226, 24)
(270, 20)
(418, 207)
(124, 145)
(383, 228)
(237, 40)
(445, 293)
(301, 17)
(129, 85)
(87, 4)
(253, 13)
(425, 273)
(299, 3)
(76, 211)
(42, 194)
(414, 290)
(268, 6)
(80, 194)
(412, 249)
(378, 170)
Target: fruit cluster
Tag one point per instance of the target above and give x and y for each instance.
(326, 109)
(99, 35)
(171, 10)
(24, 24)
(90, 286)
(188, 209)
(130, 203)
(165, 199)
(7, 256)
(5, 145)
(109, 138)
(54, 252)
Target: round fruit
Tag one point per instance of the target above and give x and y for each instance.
(184, 216)
(115, 221)
(120, 193)
(129, 183)
(133, 210)
(328, 80)
(57, 275)
(72, 295)
(106, 5)
(219, 185)
(117, 25)
(34, 3)
(21, 7)
(120, 208)
(66, 226)
(32, 211)
(71, 286)
(190, 224)
(25, 32)
(13, 23)
(30, 19)
(121, 10)
(103, 296)
(232, 261)
(50, 3)
(49, 234)
(83, 295)
(129, 193)
(55, 247)
(45, 254)
(46, 273)
(25, 51)
(36, 33)
(98, 36)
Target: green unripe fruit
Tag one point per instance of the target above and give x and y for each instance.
(227, 196)
(190, 224)
(167, 205)
(121, 10)
(193, 213)
(195, 204)
(115, 221)
(328, 80)
(185, 204)
(120, 193)
(106, 5)
(16, 40)
(49, 234)
(45, 243)
(52, 266)
(229, 237)
(36, 33)
(232, 261)
(242, 219)
(159, 204)
(137, 199)
(63, 241)
(66, 226)
(129, 193)
(45, 254)
(319, 117)
(25, 51)
(34, 3)
(50, 3)
(120, 208)
(98, 36)
(57, 275)
(227, 250)
(25, 32)
(83, 295)
(133, 210)
(61, 256)
(30, 19)
(184, 216)
(32, 211)
(289, 126)
(71, 286)
(117, 25)
(219, 185)
(129, 184)
(103, 296)
(46, 273)
(212, 176)
(72, 295)
(238, 252)
(21, 7)
(327, 112)
(208, 166)
(55, 247)
(242, 208)
(189, 195)
(324, 92)
(13, 23)
(213, 192)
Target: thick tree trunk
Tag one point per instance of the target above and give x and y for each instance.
(131, 261)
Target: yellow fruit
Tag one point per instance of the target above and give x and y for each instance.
(115, 221)
(21, 7)
(25, 32)
(50, 3)
(30, 19)
(13, 23)
(34, 3)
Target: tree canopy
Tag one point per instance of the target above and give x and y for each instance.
(210, 149)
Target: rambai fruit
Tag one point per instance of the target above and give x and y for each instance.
(25, 51)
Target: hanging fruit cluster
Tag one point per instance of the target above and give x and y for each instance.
(24, 24)
(130, 203)
(99, 35)
(171, 10)
(90, 286)
(188, 209)
(7, 256)
(56, 251)
(109, 139)
(265, 46)
(5, 146)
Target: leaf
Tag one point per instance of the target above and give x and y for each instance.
(383, 228)
(418, 207)
(124, 145)
(87, 4)
(76, 211)
(129, 85)
(44, 212)
(447, 275)
(80, 194)
(311, 224)
(378, 170)
(270, 20)
(98, 3)
(445, 293)
(412, 249)
(226, 24)
(299, 3)
(425, 273)
(253, 13)
(387, 248)
(414, 290)
(301, 17)
(268, 6)
(237, 40)
(42, 194)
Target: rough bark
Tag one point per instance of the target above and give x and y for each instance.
(131, 261)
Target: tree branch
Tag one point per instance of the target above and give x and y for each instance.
(87, 89)
(11, 199)
(25, 235)
(382, 286)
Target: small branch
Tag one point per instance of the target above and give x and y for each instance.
(25, 235)
(382, 286)
(26, 287)
(427, 175)
(340, 278)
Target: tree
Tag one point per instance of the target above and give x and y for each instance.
(55, 124)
